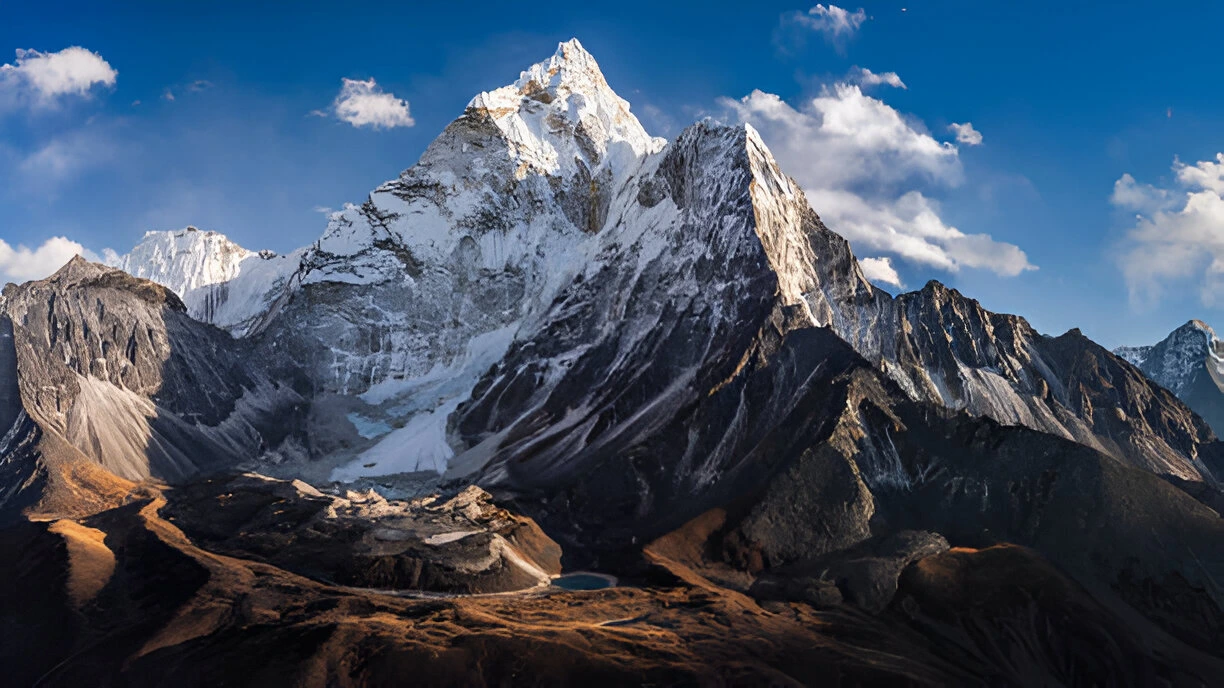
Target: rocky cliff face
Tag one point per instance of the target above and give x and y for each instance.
(114, 367)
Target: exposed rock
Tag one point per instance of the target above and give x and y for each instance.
(110, 368)
(463, 545)
(865, 576)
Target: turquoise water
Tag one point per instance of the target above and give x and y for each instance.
(582, 581)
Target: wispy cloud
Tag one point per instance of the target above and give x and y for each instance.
(66, 156)
(966, 134)
(865, 77)
(831, 20)
(880, 271)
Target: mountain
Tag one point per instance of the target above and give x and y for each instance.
(1187, 363)
(113, 372)
(219, 281)
(546, 210)
(659, 362)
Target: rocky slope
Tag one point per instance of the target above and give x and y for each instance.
(1187, 363)
(111, 369)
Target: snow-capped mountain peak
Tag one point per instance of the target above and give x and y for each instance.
(1189, 363)
(219, 281)
(184, 259)
(1173, 361)
(562, 111)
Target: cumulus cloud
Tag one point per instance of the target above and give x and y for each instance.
(21, 263)
(844, 137)
(911, 228)
(880, 271)
(864, 168)
(44, 78)
(1144, 198)
(1178, 237)
(966, 134)
(364, 104)
(831, 20)
(866, 78)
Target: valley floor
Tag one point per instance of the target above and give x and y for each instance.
(141, 604)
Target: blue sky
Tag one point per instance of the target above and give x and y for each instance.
(1067, 100)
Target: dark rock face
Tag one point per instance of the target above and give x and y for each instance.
(10, 394)
(1010, 617)
(865, 575)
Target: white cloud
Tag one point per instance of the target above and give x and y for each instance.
(1204, 174)
(364, 104)
(1178, 237)
(831, 20)
(843, 137)
(21, 264)
(966, 134)
(43, 78)
(866, 78)
(910, 227)
(864, 167)
(880, 270)
(1132, 195)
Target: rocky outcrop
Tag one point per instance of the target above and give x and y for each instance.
(462, 545)
(865, 575)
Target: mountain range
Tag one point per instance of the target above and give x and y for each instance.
(557, 343)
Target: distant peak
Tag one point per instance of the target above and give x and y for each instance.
(1193, 329)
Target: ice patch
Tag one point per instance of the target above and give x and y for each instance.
(367, 427)
(425, 404)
